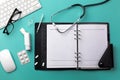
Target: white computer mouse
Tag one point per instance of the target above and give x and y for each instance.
(7, 61)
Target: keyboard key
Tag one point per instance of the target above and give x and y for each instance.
(26, 6)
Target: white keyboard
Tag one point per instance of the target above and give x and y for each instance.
(7, 7)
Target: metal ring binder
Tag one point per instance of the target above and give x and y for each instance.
(77, 57)
(75, 35)
(78, 61)
(75, 38)
(75, 30)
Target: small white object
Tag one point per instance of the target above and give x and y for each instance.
(23, 57)
(43, 64)
(26, 38)
(7, 61)
(36, 63)
(36, 56)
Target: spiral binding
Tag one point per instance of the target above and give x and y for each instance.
(77, 53)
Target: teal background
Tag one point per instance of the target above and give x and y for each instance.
(108, 12)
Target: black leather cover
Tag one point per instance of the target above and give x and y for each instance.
(105, 63)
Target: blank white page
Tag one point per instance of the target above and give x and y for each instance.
(92, 45)
(60, 47)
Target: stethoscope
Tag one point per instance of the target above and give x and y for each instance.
(79, 18)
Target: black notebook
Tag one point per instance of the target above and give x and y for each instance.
(84, 46)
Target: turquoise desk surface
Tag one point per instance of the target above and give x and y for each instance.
(108, 12)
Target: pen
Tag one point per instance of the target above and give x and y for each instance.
(40, 23)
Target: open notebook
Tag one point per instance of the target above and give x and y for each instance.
(82, 47)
